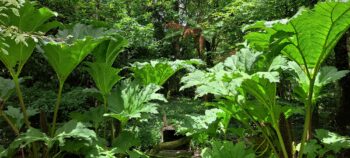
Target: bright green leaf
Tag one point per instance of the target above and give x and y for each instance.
(66, 57)
(130, 100)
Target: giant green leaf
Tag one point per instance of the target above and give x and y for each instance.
(226, 77)
(306, 41)
(158, 72)
(330, 21)
(104, 75)
(18, 54)
(191, 124)
(20, 47)
(107, 51)
(29, 19)
(74, 136)
(130, 100)
(66, 57)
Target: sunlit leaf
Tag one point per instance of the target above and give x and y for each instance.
(66, 57)
(158, 72)
(329, 74)
(130, 100)
(107, 51)
(297, 35)
(191, 124)
(333, 141)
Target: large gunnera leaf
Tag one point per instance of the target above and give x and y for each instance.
(130, 100)
(104, 75)
(224, 78)
(158, 72)
(107, 51)
(64, 58)
(29, 20)
(309, 37)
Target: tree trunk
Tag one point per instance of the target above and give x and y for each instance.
(182, 12)
(342, 63)
(158, 20)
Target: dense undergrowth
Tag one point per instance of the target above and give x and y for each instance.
(260, 101)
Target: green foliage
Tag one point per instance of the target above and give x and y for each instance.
(7, 88)
(328, 144)
(158, 72)
(298, 38)
(192, 124)
(227, 149)
(125, 142)
(245, 86)
(20, 47)
(6, 6)
(74, 99)
(71, 33)
(65, 57)
(326, 75)
(129, 100)
(72, 137)
(107, 51)
(332, 141)
(16, 117)
(138, 34)
(25, 139)
(2, 151)
(177, 111)
(225, 77)
(93, 116)
(104, 75)
(30, 19)
(295, 38)
(226, 18)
